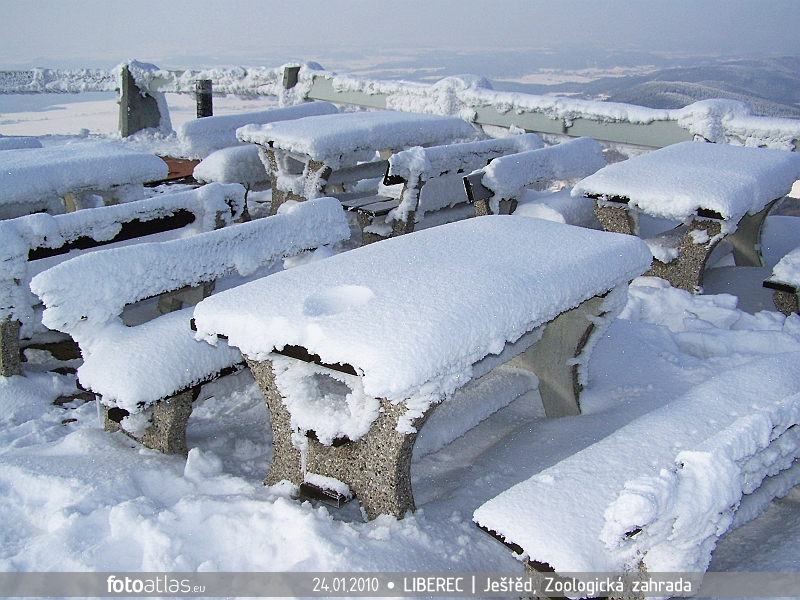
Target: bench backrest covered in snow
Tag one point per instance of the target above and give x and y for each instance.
(504, 179)
(33, 243)
(201, 137)
(658, 493)
(36, 178)
(132, 368)
(387, 331)
(439, 165)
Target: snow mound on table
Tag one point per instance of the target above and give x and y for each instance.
(346, 139)
(675, 181)
(52, 172)
(240, 164)
(201, 137)
(429, 317)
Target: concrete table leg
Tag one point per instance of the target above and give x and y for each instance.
(686, 271)
(564, 339)
(167, 431)
(746, 239)
(9, 348)
(614, 218)
(785, 302)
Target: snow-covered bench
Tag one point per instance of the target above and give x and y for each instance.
(81, 175)
(785, 283)
(713, 191)
(438, 167)
(498, 187)
(33, 243)
(657, 494)
(354, 353)
(239, 164)
(148, 375)
(331, 154)
(200, 137)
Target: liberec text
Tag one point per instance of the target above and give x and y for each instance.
(433, 584)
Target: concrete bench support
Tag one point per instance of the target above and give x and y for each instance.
(746, 239)
(377, 467)
(167, 431)
(613, 217)
(9, 348)
(786, 302)
(686, 271)
(550, 359)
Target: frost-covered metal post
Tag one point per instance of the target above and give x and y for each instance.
(204, 98)
(137, 109)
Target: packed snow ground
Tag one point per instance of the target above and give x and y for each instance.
(73, 497)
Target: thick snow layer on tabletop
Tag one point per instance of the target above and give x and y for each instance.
(558, 206)
(413, 313)
(675, 181)
(132, 367)
(17, 236)
(532, 513)
(420, 164)
(346, 139)
(507, 176)
(788, 269)
(201, 137)
(240, 164)
(85, 293)
(19, 142)
(34, 173)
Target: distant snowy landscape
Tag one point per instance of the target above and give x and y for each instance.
(76, 498)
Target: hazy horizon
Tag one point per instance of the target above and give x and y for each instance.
(504, 39)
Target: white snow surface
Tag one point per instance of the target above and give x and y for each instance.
(239, 164)
(673, 182)
(558, 206)
(507, 176)
(677, 473)
(36, 173)
(788, 269)
(345, 139)
(19, 142)
(18, 236)
(201, 137)
(412, 317)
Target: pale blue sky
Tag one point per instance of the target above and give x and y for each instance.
(196, 33)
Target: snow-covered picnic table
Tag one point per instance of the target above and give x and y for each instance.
(82, 175)
(715, 191)
(319, 155)
(785, 281)
(352, 354)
